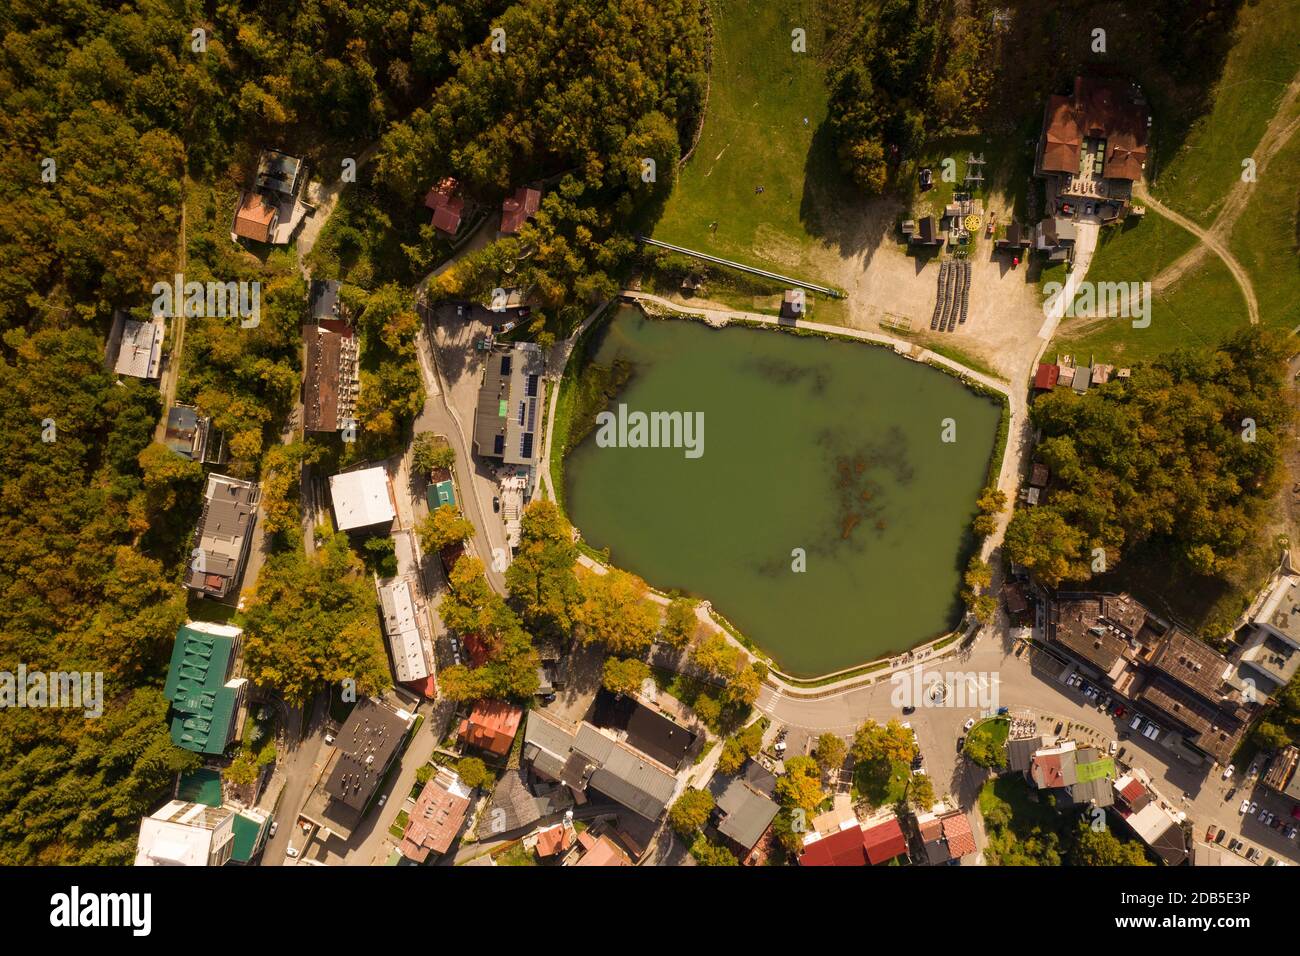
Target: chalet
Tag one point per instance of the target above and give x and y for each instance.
(1055, 236)
(586, 759)
(1046, 377)
(519, 208)
(1150, 820)
(1093, 145)
(491, 726)
(447, 205)
(1018, 238)
(744, 808)
(926, 234)
(190, 434)
(223, 536)
(140, 352)
(438, 815)
(271, 210)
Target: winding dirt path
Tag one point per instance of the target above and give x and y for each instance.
(1279, 131)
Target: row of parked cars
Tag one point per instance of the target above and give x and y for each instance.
(1106, 703)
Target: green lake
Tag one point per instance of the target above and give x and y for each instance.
(832, 447)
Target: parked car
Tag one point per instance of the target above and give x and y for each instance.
(275, 825)
(291, 853)
(1245, 806)
(1233, 844)
(909, 709)
(1252, 808)
(1003, 711)
(496, 504)
(1114, 746)
(1227, 771)
(1218, 837)
(1209, 834)
(961, 743)
(970, 722)
(1252, 854)
(1137, 722)
(1059, 725)
(1230, 794)
(1119, 710)
(1291, 832)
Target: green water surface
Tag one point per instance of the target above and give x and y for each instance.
(832, 447)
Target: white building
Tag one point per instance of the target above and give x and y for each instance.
(363, 499)
(140, 355)
(402, 627)
(186, 834)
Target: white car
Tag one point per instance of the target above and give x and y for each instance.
(1227, 771)
(1253, 807)
(1137, 722)
(291, 853)
(970, 722)
(1245, 805)
(1114, 745)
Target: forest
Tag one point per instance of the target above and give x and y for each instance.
(127, 133)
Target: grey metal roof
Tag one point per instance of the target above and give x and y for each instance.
(509, 405)
(747, 812)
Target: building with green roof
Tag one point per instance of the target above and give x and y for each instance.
(439, 494)
(206, 698)
(251, 827)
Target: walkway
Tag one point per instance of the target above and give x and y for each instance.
(1173, 272)
(824, 290)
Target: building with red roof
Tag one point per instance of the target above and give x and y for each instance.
(492, 726)
(555, 840)
(842, 848)
(447, 205)
(1046, 377)
(519, 208)
(437, 818)
(884, 841)
(957, 831)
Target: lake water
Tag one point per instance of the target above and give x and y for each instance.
(831, 447)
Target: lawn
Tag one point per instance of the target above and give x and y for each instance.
(517, 855)
(1266, 237)
(881, 782)
(1263, 60)
(988, 739)
(1199, 311)
(764, 127)
(1021, 831)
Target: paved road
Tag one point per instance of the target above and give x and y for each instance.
(452, 378)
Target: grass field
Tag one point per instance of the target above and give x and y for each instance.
(763, 127)
(1264, 59)
(881, 782)
(1266, 238)
(1202, 309)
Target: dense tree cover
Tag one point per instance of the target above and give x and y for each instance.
(311, 622)
(470, 608)
(75, 595)
(541, 578)
(586, 104)
(281, 501)
(1100, 847)
(893, 742)
(905, 71)
(727, 662)
(920, 792)
(690, 812)
(430, 451)
(1184, 455)
(443, 526)
(613, 611)
(800, 787)
(708, 853)
(680, 622)
(473, 772)
(740, 746)
(830, 752)
(975, 581)
(624, 675)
